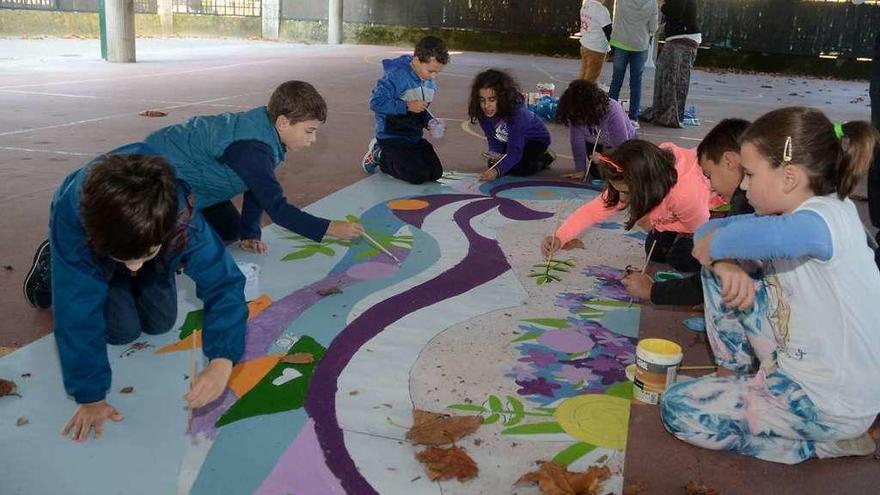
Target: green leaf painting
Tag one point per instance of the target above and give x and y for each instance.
(545, 276)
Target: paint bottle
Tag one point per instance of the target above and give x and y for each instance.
(657, 363)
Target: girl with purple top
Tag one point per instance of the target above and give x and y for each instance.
(589, 113)
(518, 140)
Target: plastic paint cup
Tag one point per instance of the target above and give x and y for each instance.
(251, 272)
(657, 363)
(437, 128)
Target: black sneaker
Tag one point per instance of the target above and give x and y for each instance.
(38, 283)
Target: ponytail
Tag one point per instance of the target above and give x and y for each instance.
(858, 141)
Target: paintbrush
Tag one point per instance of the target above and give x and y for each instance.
(192, 376)
(697, 368)
(559, 209)
(379, 246)
(645, 265)
(590, 163)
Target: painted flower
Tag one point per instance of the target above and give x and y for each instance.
(568, 341)
(523, 373)
(577, 375)
(539, 358)
(539, 386)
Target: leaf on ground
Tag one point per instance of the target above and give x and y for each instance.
(554, 479)
(7, 387)
(22, 421)
(447, 463)
(299, 358)
(126, 390)
(637, 488)
(574, 244)
(329, 291)
(437, 429)
(697, 487)
(153, 113)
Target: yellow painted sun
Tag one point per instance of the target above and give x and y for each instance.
(600, 420)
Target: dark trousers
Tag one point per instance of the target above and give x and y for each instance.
(534, 159)
(143, 302)
(673, 248)
(414, 163)
(225, 219)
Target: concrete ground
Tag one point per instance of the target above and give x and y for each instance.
(60, 105)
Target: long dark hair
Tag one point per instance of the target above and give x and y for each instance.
(833, 164)
(506, 90)
(648, 171)
(583, 103)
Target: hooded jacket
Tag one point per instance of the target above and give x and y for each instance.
(635, 21)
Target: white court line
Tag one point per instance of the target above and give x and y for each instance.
(55, 152)
(551, 76)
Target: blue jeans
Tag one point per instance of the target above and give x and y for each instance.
(636, 62)
(145, 302)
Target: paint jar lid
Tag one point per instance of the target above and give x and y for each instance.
(659, 351)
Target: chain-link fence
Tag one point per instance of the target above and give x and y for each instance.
(219, 7)
(28, 4)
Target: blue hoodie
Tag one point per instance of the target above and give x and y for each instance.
(80, 283)
(398, 85)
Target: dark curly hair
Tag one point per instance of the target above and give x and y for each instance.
(506, 90)
(582, 103)
(431, 46)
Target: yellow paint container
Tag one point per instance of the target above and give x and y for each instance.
(657, 363)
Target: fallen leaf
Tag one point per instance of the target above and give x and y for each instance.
(153, 113)
(126, 390)
(447, 463)
(298, 358)
(574, 244)
(329, 291)
(637, 488)
(697, 487)
(7, 387)
(22, 421)
(437, 429)
(554, 479)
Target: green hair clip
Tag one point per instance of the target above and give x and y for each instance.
(838, 130)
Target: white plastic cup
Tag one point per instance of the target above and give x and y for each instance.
(251, 272)
(437, 128)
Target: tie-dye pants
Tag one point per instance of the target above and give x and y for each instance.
(766, 414)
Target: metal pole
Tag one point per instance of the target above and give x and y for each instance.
(334, 22)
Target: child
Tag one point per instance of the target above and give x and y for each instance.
(663, 190)
(874, 174)
(812, 324)
(587, 112)
(635, 21)
(222, 156)
(595, 33)
(518, 139)
(119, 228)
(400, 101)
(720, 161)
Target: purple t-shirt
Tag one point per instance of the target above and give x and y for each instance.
(509, 136)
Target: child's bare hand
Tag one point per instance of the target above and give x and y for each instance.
(550, 245)
(638, 285)
(210, 383)
(254, 246)
(416, 106)
(488, 175)
(345, 230)
(737, 287)
(702, 249)
(89, 416)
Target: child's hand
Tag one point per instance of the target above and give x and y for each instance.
(550, 245)
(702, 249)
(253, 246)
(210, 383)
(488, 175)
(345, 230)
(638, 285)
(416, 106)
(737, 287)
(88, 416)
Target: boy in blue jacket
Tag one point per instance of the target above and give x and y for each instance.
(400, 101)
(222, 156)
(119, 228)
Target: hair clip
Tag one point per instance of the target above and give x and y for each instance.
(609, 161)
(787, 151)
(838, 130)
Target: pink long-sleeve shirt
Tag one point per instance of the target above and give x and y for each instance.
(684, 208)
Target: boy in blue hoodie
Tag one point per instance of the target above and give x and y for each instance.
(119, 228)
(400, 101)
(222, 156)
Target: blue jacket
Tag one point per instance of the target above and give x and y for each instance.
(80, 282)
(398, 85)
(194, 149)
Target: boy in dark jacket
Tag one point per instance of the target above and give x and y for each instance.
(400, 101)
(119, 228)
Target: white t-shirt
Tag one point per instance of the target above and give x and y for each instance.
(594, 16)
(826, 316)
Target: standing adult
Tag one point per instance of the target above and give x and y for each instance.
(673, 77)
(634, 23)
(595, 34)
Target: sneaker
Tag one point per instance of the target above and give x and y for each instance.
(371, 159)
(38, 283)
(862, 445)
(548, 158)
(635, 124)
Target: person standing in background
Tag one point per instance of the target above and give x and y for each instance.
(595, 34)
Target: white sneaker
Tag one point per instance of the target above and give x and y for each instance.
(862, 445)
(635, 124)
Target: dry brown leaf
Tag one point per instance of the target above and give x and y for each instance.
(554, 479)
(22, 421)
(438, 429)
(7, 387)
(126, 390)
(299, 358)
(329, 291)
(637, 488)
(153, 113)
(447, 463)
(574, 244)
(697, 487)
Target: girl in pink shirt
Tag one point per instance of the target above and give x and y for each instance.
(663, 190)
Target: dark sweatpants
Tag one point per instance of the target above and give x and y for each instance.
(225, 219)
(414, 163)
(534, 159)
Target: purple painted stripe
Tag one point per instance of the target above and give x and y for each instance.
(544, 183)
